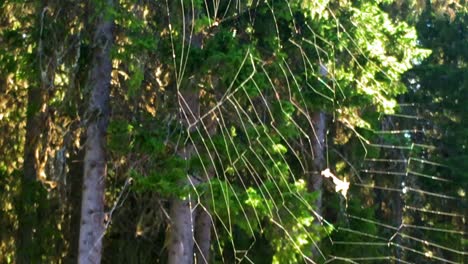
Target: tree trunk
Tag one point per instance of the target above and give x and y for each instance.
(181, 232)
(318, 145)
(72, 222)
(203, 232)
(31, 193)
(203, 221)
(181, 239)
(190, 225)
(27, 249)
(92, 205)
(318, 165)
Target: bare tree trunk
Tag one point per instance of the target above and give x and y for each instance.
(203, 220)
(181, 241)
(202, 236)
(181, 238)
(203, 231)
(318, 165)
(72, 222)
(31, 193)
(186, 228)
(191, 226)
(92, 205)
(26, 246)
(318, 144)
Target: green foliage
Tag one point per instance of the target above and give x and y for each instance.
(120, 136)
(270, 212)
(167, 180)
(256, 68)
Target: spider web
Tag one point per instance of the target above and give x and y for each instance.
(422, 222)
(245, 184)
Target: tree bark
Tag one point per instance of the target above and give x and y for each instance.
(92, 205)
(203, 221)
(190, 225)
(181, 232)
(27, 249)
(318, 165)
(72, 222)
(202, 235)
(318, 148)
(181, 236)
(31, 193)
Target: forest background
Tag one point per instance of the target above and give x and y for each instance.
(233, 131)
